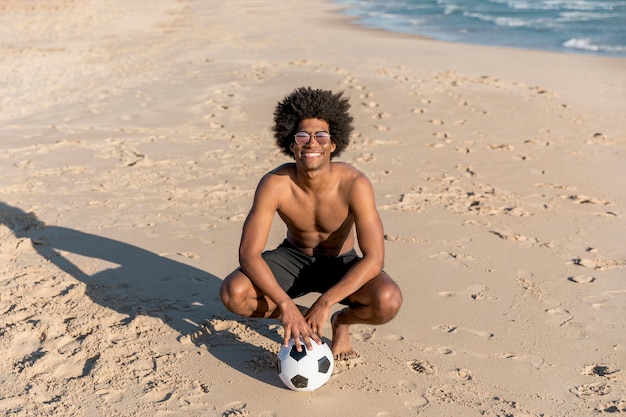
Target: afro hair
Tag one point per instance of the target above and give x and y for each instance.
(307, 103)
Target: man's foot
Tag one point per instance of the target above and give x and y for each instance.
(341, 344)
(345, 356)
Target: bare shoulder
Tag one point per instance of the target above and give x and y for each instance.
(348, 172)
(286, 169)
(351, 178)
(271, 186)
(280, 174)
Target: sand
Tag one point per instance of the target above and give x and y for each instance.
(132, 136)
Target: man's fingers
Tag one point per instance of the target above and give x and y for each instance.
(307, 342)
(287, 337)
(317, 338)
(297, 340)
(317, 334)
(303, 340)
(303, 337)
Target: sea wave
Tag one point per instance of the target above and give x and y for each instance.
(585, 44)
(512, 22)
(582, 5)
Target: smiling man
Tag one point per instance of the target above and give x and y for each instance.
(323, 204)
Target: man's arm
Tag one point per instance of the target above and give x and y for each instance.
(253, 240)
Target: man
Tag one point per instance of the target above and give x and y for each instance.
(321, 202)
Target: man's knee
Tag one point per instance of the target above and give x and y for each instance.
(389, 301)
(232, 293)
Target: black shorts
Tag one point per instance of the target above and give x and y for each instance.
(298, 273)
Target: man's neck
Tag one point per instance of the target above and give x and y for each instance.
(314, 179)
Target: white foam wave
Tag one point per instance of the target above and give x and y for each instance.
(582, 5)
(512, 22)
(586, 44)
(584, 16)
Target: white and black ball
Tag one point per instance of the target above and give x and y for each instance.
(306, 370)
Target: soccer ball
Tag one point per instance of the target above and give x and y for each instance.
(306, 370)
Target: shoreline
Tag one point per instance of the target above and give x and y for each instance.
(562, 50)
(131, 148)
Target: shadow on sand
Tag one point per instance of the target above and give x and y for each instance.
(140, 282)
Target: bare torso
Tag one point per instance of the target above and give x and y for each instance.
(319, 222)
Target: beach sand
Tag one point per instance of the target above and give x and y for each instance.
(132, 137)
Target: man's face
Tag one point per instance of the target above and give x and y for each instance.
(313, 152)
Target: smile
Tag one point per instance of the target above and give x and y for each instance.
(311, 154)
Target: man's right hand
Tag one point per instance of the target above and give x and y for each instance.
(296, 327)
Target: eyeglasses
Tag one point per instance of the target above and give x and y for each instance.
(302, 138)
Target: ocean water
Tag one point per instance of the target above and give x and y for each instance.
(570, 26)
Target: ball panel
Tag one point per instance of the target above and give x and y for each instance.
(323, 364)
(297, 355)
(289, 366)
(300, 382)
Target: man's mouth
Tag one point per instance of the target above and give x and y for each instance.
(311, 154)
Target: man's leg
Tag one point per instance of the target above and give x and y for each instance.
(377, 302)
(242, 297)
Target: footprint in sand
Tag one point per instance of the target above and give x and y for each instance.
(416, 406)
(583, 199)
(190, 255)
(394, 238)
(447, 328)
(156, 396)
(525, 242)
(462, 374)
(422, 367)
(501, 147)
(236, 409)
(606, 371)
(209, 332)
(111, 396)
(561, 315)
(446, 351)
(393, 337)
(587, 263)
(615, 406)
(581, 279)
(364, 334)
(535, 361)
(475, 292)
(593, 390)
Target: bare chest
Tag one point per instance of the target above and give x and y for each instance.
(326, 213)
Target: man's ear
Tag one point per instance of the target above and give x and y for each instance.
(291, 145)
